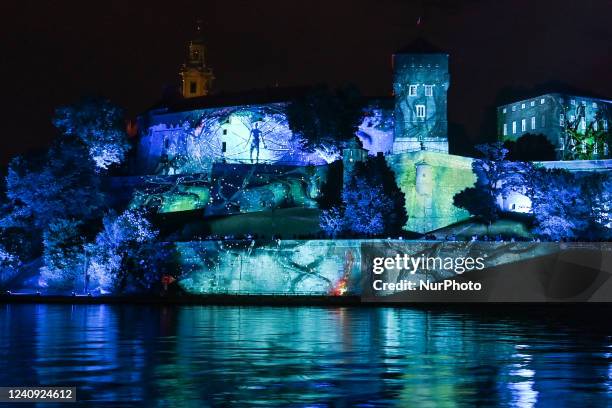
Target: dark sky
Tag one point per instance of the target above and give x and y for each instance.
(54, 52)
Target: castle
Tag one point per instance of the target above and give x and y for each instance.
(222, 138)
(190, 134)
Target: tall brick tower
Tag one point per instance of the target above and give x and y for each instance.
(420, 86)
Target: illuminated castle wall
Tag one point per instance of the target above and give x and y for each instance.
(187, 137)
(555, 115)
(420, 86)
(190, 141)
(429, 181)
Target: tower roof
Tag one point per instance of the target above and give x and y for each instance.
(420, 46)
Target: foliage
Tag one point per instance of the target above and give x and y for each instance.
(571, 205)
(7, 259)
(332, 221)
(9, 264)
(495, 177)
(99, 125)
(557, 204)
(59, 184)
(478, 202)
(120, 253)
(372, 204)
(530, 147)
(582, 139)
(364, 207)
(325, 118)
(376, 172)
(596, 192)
(63, 254)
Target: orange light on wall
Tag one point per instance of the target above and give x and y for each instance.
(131, 128)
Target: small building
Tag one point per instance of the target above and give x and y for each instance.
(577, 126)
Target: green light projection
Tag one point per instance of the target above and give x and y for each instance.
(289, 267)
(429, 181)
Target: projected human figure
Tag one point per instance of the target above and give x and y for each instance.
(256, 136)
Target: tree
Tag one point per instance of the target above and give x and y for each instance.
(99, 125)
(571, 205)
(7, 259)
(530, 147)
(495, 177)
(324, 118)
(372, 204)
(478, 202)
(63, 254)
(60, 184)
(596, 194)
(365, 207)
(9, 262)
(557, 204)
(332, 221)
(377, 172)
(121, 252)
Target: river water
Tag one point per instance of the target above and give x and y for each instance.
(188, 356)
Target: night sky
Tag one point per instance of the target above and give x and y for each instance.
(54, 52)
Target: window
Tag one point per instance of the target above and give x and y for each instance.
(561, 120)
(532, 103)
(532, 122)
(192, 87)
(513, 108)
(542, 101)
(505, 129)
(523, 125)
(504, 110)
(522, 106)
(225, 131)
(572, 118)
(582, 123)
(595, 126)
(412, 90)
(573, 102)
(420, 111)
(594, 105)
(605, 124)
(583, 103)
(514, 127)
(543, 121)
(428, 90)
(224, 147)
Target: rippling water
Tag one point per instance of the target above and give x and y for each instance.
(271, 356)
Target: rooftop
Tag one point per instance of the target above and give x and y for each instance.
(226, 99)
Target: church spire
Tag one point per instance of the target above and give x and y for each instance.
(196, 75)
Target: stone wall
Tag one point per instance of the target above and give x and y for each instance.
(429, 180)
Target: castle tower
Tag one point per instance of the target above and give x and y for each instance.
(420, 86)
(196, 76)
(352, 153)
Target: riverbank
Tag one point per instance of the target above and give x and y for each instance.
(282, 300)
(209, 299)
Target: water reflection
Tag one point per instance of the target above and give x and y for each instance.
(307, 356)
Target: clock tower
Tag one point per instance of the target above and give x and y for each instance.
(196, 76)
